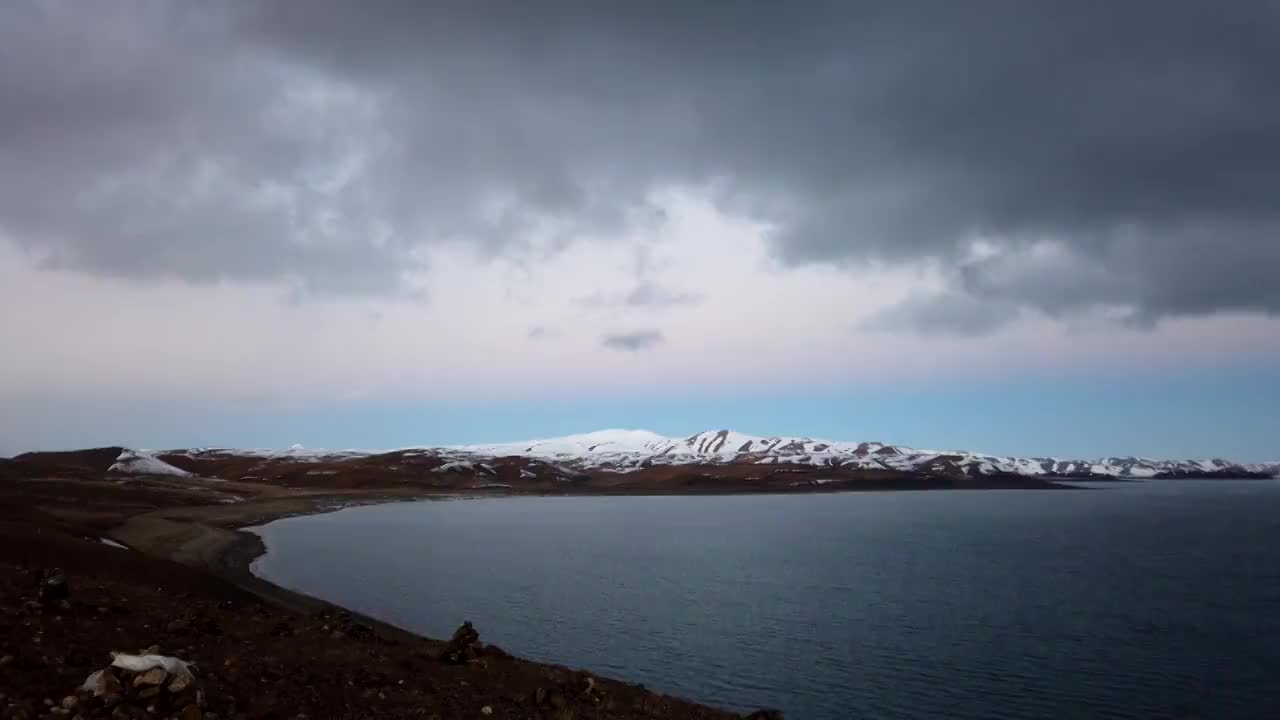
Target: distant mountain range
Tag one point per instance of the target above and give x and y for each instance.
(623, 452)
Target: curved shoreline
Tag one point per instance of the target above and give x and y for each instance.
(183, 582)
(218, 538)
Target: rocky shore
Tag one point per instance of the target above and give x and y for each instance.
(94, 569)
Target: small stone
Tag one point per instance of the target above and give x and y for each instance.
(105, 683)
(6, 660)
(48, 701)
(150, 692)
(55, 588)
(192, 712)
(486, 710)
(540, 695)
(154, 676)
(70, 702)
(179, 683)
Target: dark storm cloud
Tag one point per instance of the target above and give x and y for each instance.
(1122, 153)
(634, 341)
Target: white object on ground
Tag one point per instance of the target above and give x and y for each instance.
(141, 462)
(143, 663)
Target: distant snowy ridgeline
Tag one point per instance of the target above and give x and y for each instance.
(631, 450)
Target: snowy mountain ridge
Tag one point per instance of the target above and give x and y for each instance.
(623, 450)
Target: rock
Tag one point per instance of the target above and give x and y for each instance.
(486, 710)
(462, 646)
(179, 683)
(191, 712)
(105, 683)
(540, 696)
(54, 589)
(150, 692)
(7, 659)
(70, 702)
(154, 676)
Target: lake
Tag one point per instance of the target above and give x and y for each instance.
(1125, 600)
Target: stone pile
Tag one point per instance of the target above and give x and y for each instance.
(463, 647)
(147, 685)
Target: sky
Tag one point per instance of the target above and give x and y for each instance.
(1033, 227)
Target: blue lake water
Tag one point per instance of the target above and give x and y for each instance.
(1139, 600)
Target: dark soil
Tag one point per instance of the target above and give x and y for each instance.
(259, 653)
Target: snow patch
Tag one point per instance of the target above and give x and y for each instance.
(141, 462)
(143, 663)
(455, 466)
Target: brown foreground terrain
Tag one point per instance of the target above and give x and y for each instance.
(182, 588)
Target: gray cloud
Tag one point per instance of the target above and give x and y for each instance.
(634, 341)
(1136, 143)
(945, 313)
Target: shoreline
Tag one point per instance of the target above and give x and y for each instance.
(190, 544)
(238, 556)
(183, 583)
(219, 539)
(234, 558)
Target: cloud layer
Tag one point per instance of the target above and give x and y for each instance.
(1035, 154)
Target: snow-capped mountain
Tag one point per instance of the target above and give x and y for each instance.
(626, 450)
